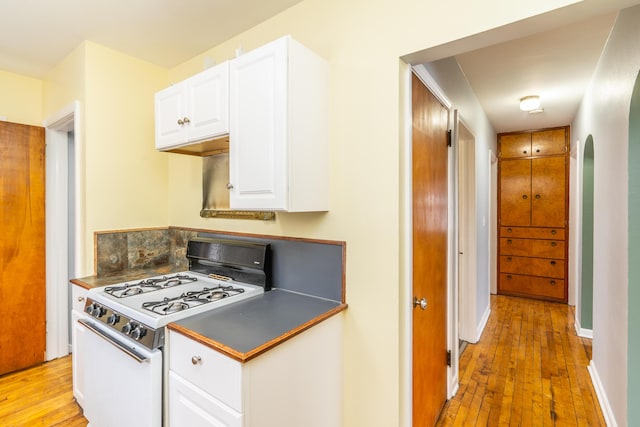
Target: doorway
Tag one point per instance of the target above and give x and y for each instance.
(586, 274)
(62, 210)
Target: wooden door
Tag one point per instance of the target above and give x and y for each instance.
(515, 192)
(22, 246)
(548, 192)
(429, 167)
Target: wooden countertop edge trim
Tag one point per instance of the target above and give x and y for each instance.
(245, 357)
(80, 283)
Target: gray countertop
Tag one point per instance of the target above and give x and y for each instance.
(247, 328)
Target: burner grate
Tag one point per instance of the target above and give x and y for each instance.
(149, 285)
(191, 299)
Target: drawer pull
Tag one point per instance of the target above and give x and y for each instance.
(524, 151)
(509, 277)
(509, 241)
(508, 259)
(554, 244)
(552, 282)
(538, 196)
(553, 263)
(524, 196)
(195, 360)
(509, 230)
(553, 232)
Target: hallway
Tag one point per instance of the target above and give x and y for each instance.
(528, 369)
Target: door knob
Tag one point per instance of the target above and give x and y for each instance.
(422, 303)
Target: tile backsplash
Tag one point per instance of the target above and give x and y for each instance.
(120, 251)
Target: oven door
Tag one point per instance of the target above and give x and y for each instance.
(122, 381)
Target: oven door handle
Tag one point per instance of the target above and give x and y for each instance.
(128, 351)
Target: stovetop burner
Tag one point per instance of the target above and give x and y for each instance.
(191, 299)
(149, 285)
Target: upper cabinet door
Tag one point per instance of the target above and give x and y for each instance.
(208, 103)
(170, 108)
(547, 142)
(515, 145)
(258, 128)
(278, 134)
(196, 109)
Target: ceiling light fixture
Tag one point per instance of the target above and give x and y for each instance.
(530, 103)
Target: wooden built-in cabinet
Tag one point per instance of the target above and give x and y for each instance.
(533, 213)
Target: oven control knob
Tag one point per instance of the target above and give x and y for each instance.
(129, 327)
(113, 319)
(95, 310)
(138, 333)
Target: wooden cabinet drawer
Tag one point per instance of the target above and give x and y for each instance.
(532, 247)
(532, 232)
(216, 374)
(539, 286)
(532, 266)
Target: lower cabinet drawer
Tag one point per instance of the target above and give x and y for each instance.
(539, 286)
(532, 266)
(532, 247)
(214, 373)
(532, 232)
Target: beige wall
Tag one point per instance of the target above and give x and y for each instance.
(363, 41)
(20, 98)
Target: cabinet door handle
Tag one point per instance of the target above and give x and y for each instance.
(524, 151)
(229, 186)
(537, 150)
(538, 196)
(180, 122)
(525, 197)
(195, 360)
(186, 120)
(80, 299)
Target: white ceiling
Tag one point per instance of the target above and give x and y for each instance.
(35, 35)
(556, 64)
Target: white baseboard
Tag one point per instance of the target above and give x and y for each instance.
(483, 323)
(584, 333)
(607, 411)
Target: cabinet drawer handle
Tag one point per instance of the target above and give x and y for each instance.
(195, 360)
(509, 230)
(524, 151)
(524, 196)
(553, 263)
(508, 241)
(186, 120)
(553, 232)
(537, 150)
(80, 299)
(509, 277)
(554, 244)
(180, 122)
(552, 282)
(508, 259)
(538, 196)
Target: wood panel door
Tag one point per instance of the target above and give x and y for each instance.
(548, 192)
(515, 192)
(429, 168)
(22, 246)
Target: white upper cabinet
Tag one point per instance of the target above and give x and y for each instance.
(193, 110)
(278, 135)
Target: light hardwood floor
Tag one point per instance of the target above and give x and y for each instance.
(40, 396)
(528, 369)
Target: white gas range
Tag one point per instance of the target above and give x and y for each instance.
(122, 353)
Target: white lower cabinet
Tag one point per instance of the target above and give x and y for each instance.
(78, 295)
(297, 383)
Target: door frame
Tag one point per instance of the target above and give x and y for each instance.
(57, 128)
(406, 247)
